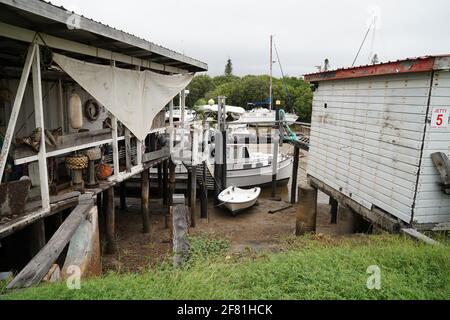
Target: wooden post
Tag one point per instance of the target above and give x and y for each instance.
(160, 181)
(145, 186)
(115, 146)
(123, 196)
(193, 195)
(165, 182)
(189, 185)
(37, 237)
(274, 165)
(306, 210)
(110, 215)
(204, 195)
(333, 210)
(180, 231)
(295, 175)
(39, 120)
(99, 204)
(128, 149)
(168, 220)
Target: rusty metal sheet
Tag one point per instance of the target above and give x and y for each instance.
(421, 64)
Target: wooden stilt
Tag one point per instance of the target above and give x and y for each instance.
(145, 186)
(189, 186)
(294, 175)
(333, 210)
(165, 182)
(99, 204)
(180, 231)
(306, 210)
(193, 195)
(168, 220)
(110, 219)
(37, 237)
(204, 195)
(123, 196)
(160, 181)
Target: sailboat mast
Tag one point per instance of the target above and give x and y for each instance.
(271, 69)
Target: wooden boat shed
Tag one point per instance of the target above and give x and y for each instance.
(380, 140)
(35, 94)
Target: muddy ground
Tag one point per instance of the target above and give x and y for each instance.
(253, 229)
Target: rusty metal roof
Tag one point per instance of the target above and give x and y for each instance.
(409, 65)
(45, 17)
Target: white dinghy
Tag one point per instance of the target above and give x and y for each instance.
(236, 199)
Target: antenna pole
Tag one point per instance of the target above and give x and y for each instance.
(271, 71)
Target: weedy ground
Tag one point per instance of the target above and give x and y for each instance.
(310, 267)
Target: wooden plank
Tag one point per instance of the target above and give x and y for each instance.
(115, 146)
(416, 235)
(38, 267)
(442, 164)
(150, 156)
(37, 237)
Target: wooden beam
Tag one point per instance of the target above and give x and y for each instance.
(39, 119)
(38, 267)
(416, 235)
(16, 109)
(442, 164)
(21, 34)
(162, 153)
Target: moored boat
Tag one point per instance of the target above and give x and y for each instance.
(237, 200)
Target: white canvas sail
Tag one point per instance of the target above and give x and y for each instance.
(134, 97)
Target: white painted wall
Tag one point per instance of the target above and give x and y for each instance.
(367, 142)
(432, 205)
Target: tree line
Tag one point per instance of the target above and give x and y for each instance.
(294, 93)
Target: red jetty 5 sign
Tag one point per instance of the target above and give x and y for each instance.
(439, 118)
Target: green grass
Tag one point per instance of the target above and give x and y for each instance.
(308, 268)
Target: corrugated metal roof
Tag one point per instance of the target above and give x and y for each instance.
(418, 64)
(45, 17)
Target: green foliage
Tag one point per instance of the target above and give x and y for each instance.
(206, 246)
(251, 88)
(228, 68)
(309, 268)
(198, 87)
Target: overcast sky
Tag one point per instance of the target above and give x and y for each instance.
(306, 32)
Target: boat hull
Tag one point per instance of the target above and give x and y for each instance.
(237, 200)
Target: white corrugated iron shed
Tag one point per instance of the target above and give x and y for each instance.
(374, 129)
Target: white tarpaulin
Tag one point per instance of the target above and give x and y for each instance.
(134, 97)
